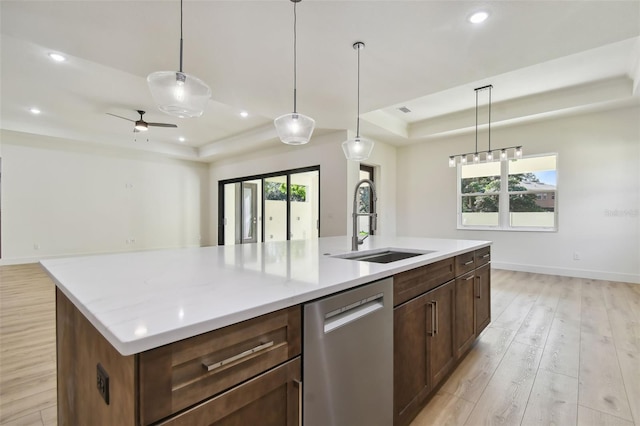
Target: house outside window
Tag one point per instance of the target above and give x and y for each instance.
(518, 194)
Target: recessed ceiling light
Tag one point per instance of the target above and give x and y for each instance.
(34, 110)
(181, 139)
(478, 17)
(244, 114)
(57, 57)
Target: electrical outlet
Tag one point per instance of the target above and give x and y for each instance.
(576, 255)
(103, 383)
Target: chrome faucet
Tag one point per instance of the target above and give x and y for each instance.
(355, 241)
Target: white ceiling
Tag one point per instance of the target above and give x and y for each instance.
(542, 57)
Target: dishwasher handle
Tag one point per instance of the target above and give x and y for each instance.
(353, 312)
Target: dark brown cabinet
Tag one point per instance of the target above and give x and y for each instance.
(436, 321)
(483, 298)
(246, 373)
(423, 348)
(271, 399)
(440, 348)
(465, 325)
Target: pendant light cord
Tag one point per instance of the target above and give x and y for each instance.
(181, 36)
(295, 59)
(490, 87)
(358, 116)
(476, 121)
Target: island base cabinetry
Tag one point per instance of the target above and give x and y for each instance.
(271, 399)
(434, 330)
(423, 349)
(246, 373)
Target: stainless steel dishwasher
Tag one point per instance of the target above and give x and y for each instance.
(348, 358)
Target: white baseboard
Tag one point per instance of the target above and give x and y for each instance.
(569, 272)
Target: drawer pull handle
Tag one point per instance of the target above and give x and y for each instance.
(211, 367)
(469, 278)
(486, 255)
(468, 263)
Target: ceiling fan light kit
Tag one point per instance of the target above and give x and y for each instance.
(485, 156)
(358, 148)
(178, 93)
(294, 128)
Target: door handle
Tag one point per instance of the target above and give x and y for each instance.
(298, 383)
(434, 318)
(435, 303)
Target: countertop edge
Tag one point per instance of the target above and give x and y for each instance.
(143, 344)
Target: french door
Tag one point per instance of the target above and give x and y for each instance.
(272, 207)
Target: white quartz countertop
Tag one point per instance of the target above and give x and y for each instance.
(143, 300)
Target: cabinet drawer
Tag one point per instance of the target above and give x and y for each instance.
(483, 256)
(271, 399)
(464, 263)
(181, 374)
(409, 284)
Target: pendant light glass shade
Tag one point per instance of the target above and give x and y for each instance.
(294, 128)
(357, 149)
(179, 94)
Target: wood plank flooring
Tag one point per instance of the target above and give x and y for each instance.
(561, 351)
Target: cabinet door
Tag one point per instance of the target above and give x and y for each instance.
(271, 399)
(483, 298)
(465, 326)
(410, 377)
(440, 341)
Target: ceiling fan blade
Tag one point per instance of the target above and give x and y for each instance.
(162, 125)
(124, 118)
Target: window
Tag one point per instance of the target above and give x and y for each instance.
(509, 195)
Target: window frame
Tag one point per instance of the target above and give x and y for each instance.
(504, 223)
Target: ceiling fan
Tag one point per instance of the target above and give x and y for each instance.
(141, 125)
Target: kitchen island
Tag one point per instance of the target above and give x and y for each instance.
(146, 325)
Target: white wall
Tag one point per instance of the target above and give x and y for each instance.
(598, 175)
(337, 179)
(64, 198)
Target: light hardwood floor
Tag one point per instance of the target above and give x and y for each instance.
(561, 351)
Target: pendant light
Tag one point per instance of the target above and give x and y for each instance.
(294, 128)
(488, 155)
(177, 93)
(357, 149)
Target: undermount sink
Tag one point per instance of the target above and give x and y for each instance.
(384, 255)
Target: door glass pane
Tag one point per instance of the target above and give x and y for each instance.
(231, 220)
(304, 205)
(365, 202)
(250, 211)
(275, 208)
(242, 212)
